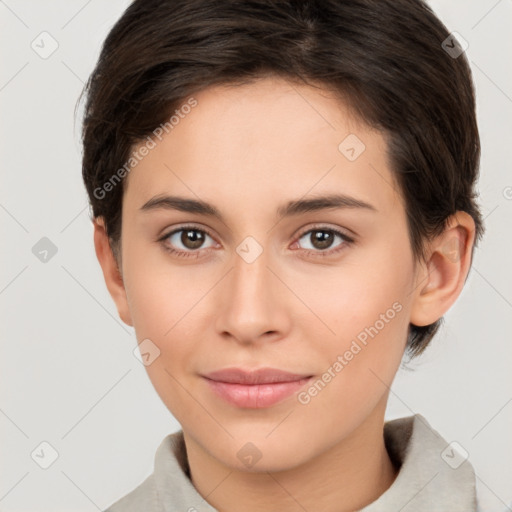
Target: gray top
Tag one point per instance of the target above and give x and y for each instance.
(433, 476)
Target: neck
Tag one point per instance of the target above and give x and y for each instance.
(347, 477)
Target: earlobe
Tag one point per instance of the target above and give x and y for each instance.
(111, 273)
(442, 277)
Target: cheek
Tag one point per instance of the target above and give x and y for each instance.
(162, 310)
(159, 295)
(367, 308)
(360, 365)
(352, 300)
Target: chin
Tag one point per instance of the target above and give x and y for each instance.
(254, 452)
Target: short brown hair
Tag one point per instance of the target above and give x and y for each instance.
(386, 58)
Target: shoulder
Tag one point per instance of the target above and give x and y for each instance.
(143, 497)
(433, 474)
(169, 486)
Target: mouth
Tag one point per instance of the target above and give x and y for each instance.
(255, 389)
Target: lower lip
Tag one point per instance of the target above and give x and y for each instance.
(256, 396)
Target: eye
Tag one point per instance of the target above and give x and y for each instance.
(189, 241)
(322, 238)
(186, 241)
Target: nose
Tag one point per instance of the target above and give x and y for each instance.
(253, 303)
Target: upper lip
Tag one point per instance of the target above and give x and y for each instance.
(258, 376)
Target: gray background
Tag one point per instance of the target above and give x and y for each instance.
(68, 373)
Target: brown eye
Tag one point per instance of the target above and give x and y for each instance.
(192, 238)
(188, 239)
(321, 239)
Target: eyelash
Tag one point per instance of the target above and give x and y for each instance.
(195, 253)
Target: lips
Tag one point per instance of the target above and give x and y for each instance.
(255, 389)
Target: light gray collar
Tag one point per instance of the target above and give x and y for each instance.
(433, 475)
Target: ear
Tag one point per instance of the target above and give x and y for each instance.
(441, 278)
(111, 272)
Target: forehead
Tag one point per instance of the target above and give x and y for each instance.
(265, 141)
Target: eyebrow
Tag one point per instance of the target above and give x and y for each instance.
(332, 201)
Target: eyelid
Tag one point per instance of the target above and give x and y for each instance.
(346, 233)
(183, 227)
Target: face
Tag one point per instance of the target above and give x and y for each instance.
(277, 279)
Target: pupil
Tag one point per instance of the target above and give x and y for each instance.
(322, 239)
(192, 239)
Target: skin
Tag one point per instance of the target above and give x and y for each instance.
(248, 150)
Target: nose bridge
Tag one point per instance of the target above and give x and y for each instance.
(250, 276)
(250, 307)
